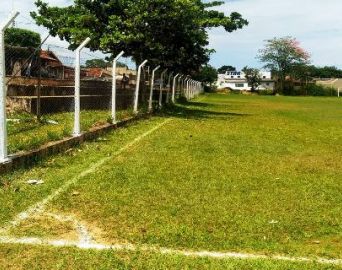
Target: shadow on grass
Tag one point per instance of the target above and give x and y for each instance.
(195, 110)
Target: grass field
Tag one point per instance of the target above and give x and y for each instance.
(26, 133)
(225, 173)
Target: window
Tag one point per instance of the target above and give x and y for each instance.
(232, 77)
(239, 85)
(239, 77)
(268, 84)
(264, 77)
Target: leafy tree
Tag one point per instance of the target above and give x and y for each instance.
(282, 56)
(168, 32)
(253, 77)
(22, 38)
(101, 63)
(224, 69)
(207, 74)
(324, 72)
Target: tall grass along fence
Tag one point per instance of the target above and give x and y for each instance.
(49, 92)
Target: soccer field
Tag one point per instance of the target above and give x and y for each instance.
(222, 182)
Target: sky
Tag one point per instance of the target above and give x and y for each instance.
(316, 24)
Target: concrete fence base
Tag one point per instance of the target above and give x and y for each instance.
(29, 158)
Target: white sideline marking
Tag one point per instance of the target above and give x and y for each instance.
(166, 251)
(39, 207)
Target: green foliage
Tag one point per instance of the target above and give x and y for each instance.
(22, 38)
(102, 63)
(324, 72)
(282, 56)
(207, 74)
(253, 77)
(310, 89)
(224, 69)
(168, 32)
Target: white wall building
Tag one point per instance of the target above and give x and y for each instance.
(236, 80)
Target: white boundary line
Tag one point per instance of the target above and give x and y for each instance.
(166, 251)
(40, 206)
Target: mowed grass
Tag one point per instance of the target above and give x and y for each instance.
(26, 133)
(229, 173)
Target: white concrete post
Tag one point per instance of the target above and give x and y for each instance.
(338, 92)
(151, 91)
(114, 86)
(179, 86)
(77, 124)
(184, 85)
(161, 88)
(188, 88)
(174, 88)
(136, 97)
(168, 87)
(3, 91)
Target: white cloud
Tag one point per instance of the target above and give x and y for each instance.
(316, 24)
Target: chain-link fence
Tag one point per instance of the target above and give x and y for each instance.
(52, 92)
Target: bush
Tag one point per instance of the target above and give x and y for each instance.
(267, 92)
(310, 90)
(319, 90)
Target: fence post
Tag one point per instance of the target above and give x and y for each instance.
(77, 125)
(136, 97)
(174, 88)
(161, 88)
(114, 86)
(3, 91)
(338, 92)
(151, 90)
(179, 86)
(168, 87)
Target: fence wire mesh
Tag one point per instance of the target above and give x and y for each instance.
(40, 82)
(41, 88)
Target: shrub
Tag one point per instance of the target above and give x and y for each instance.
(319, 90)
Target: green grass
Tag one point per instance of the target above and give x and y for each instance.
(28, 133)
(229, 173)
(70, 259)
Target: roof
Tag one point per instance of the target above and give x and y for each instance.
(49, 55)
(97, 73)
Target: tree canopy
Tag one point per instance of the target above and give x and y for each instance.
(282, 56)
(168, 32)
(224, 69)
(323, 72)
(207, 74)
(22, 38)
(253, 77)
(101, 63)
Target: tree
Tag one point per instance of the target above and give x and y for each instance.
(101, 63)
(22, 38)
(224, 69)
(324, 72)
(168, 32)
(253, 77)
(282, 56)
(207, 74)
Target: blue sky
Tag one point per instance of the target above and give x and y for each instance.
(316, 24)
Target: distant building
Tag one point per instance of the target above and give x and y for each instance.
(236, 81)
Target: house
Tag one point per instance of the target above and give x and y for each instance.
(51, 66)
(236, 81)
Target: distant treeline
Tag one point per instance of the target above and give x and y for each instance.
(324, 72)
